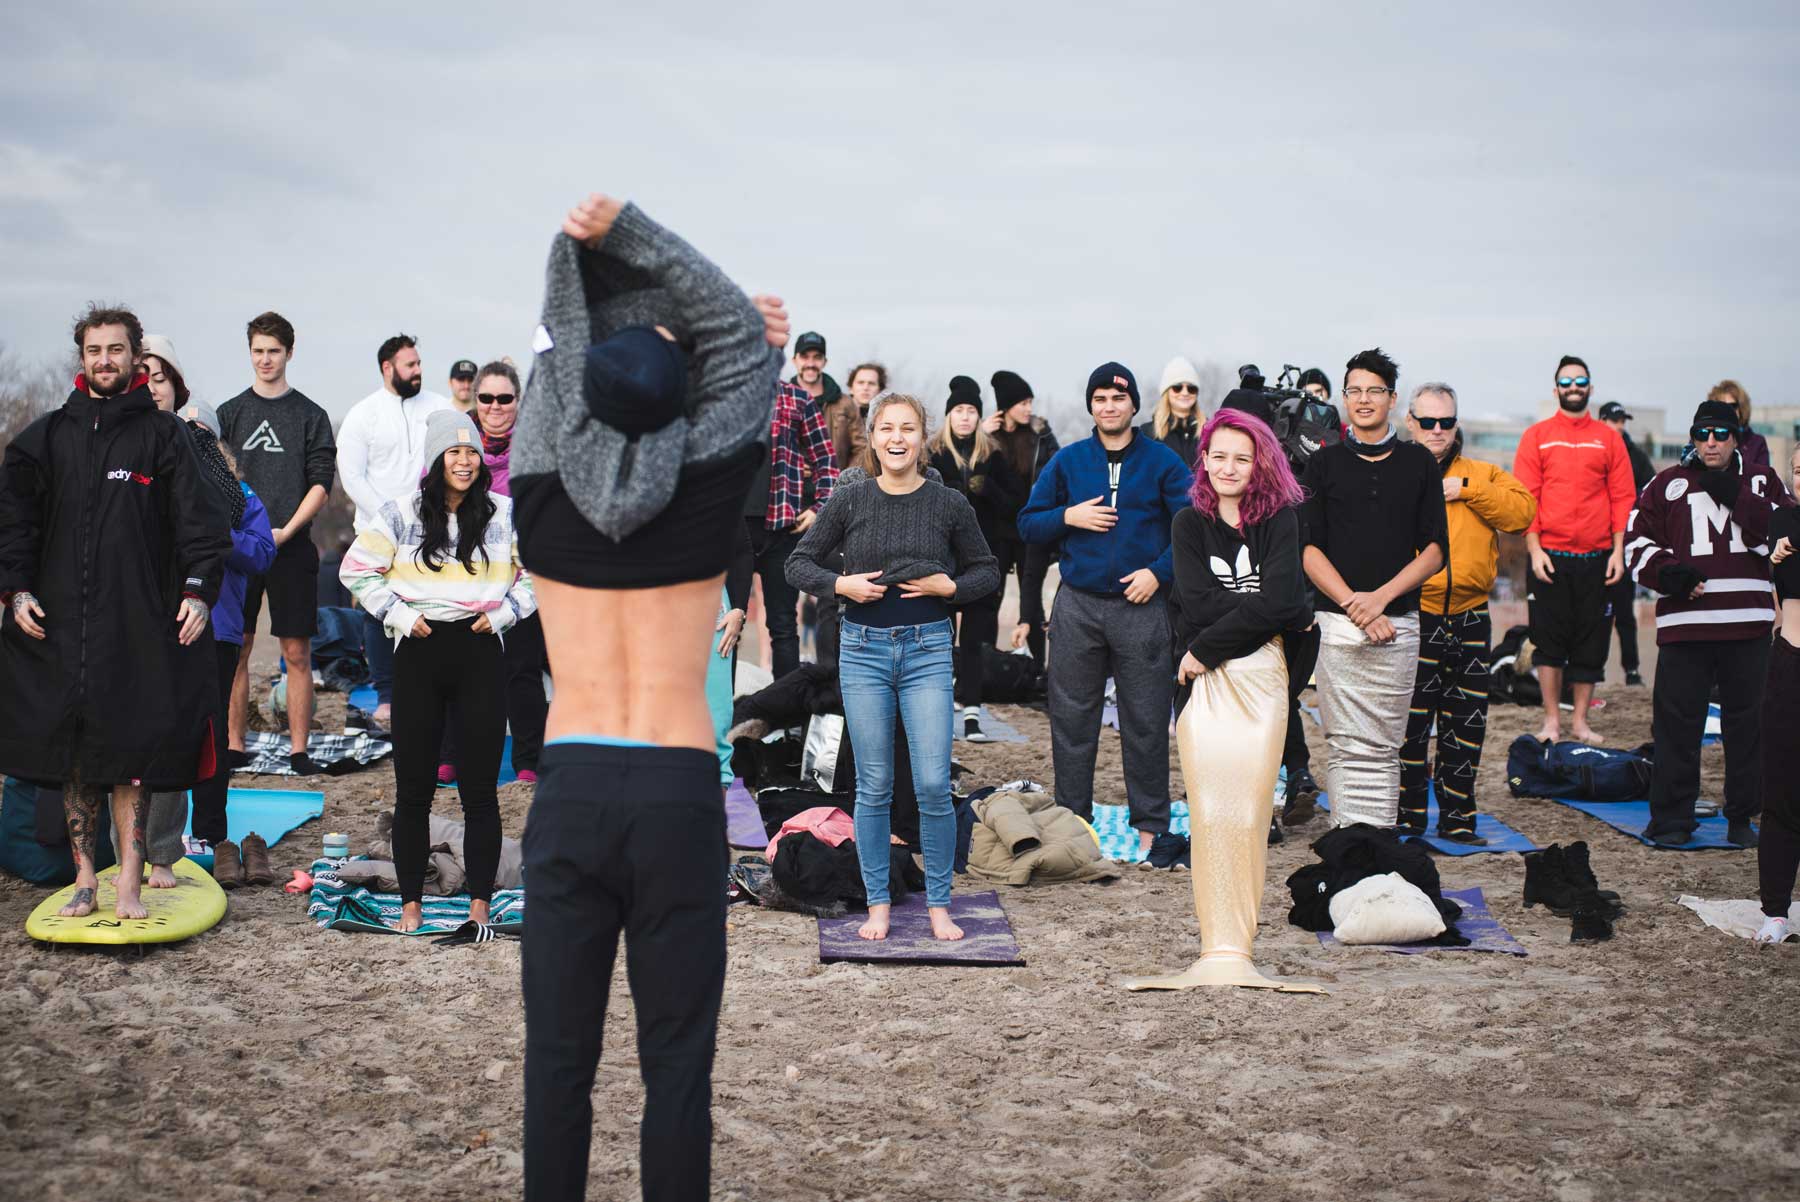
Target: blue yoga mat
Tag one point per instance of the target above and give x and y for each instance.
(1633, 817)
(363, 698)
(1483, 930)
(270, 813)
(1501, 837)
(1715, 723)
(507, 775)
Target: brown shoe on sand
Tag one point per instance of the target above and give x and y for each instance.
(256, 861)
(228, 868)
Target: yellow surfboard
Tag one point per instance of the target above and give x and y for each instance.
(195, 904)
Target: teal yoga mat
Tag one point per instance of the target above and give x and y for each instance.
(1633, 818)
(271, 813)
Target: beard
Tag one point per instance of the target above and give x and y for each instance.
(118, 386)
(1572, 405)
(407, 389)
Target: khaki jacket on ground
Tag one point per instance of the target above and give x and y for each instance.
(1026, 838)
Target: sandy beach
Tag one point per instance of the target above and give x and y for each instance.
(268, 1059)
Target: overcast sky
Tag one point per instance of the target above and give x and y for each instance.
(954, 187)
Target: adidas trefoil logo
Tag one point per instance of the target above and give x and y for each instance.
(1245, 578)
(263, 439)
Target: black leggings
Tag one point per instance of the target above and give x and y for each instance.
(623, 841)
(1301, 650)
(980, 627)
(1778, 852)
(452, 675)
(210, 794)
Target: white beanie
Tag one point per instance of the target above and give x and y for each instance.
(1178, 371)
(160, 346)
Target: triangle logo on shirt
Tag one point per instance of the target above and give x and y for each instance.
(263, 438)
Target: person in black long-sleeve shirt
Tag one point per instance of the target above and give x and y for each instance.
(1375, 531)
(969, 462)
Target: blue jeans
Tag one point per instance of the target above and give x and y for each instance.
(903, 669)
(379, 649)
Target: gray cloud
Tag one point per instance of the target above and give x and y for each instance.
(955, 187)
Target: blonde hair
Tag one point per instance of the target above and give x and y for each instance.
(1163, 417)
(871, 461)
(944, 441)
(1732, 391)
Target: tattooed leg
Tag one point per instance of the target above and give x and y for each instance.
(131, 812)
(81, 810)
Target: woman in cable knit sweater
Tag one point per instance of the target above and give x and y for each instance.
(911, 548)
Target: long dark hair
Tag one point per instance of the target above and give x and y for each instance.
(471, 521)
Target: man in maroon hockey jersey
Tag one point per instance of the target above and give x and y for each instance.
(1699, 536)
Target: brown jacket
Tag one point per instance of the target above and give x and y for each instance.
(844, 422)
(1026, 838)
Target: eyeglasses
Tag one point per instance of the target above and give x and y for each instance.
(1702, 434)
(1571, 381)
(1376, 393)
(496, 398)
(1435, 423)
(1189, 388)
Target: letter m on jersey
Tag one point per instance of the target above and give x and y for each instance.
(1710, 520)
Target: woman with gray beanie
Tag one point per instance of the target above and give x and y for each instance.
(439, 568)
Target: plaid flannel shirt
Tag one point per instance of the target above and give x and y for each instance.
(797, 439)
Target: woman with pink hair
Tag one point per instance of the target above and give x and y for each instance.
(1238, 589)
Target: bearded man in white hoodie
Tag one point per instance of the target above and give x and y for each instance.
(380, 455)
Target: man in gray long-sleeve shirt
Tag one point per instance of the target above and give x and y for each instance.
(286, 453)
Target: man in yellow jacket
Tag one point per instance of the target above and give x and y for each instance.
(1454, 627)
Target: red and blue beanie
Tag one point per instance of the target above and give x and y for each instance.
(1113, 375)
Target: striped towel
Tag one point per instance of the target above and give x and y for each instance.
(337, 906)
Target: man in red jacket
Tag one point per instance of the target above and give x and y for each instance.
(1579, 471)
(1699, 536)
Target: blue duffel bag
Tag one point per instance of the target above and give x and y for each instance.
(1576, 772)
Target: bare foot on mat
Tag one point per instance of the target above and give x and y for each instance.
(412, 917)
(877, 926)
(942, 927)
(162, 877)
(80, 905)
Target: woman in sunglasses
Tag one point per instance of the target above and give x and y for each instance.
(1176, 421)
(497, 395)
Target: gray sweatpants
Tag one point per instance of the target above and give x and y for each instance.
(1093, 637)
(163, 828)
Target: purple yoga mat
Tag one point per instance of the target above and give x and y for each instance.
(1482, 928)
(987, 935)
(743, 821)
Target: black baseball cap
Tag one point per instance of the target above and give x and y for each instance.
(463, 369)
(1612, 411)
(812, 340)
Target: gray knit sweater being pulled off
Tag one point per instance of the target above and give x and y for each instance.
(904, 537)
(641, 275)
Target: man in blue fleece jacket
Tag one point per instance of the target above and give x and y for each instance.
(1108, 501)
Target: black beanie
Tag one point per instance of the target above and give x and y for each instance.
(963, 391)
(1113, 375)
(1717, 413)
(1313, 375)
(1009, 389)
(635, 381)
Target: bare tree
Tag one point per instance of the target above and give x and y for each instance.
(28, 390)
(1215, 381)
